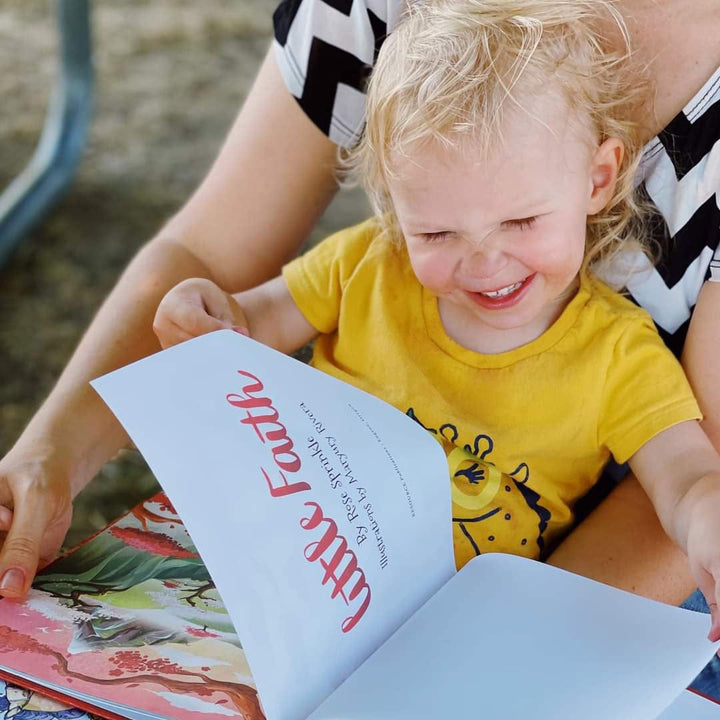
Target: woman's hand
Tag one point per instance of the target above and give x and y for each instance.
(680, 471)
(195, 307)
(35, 514)
(703, 544)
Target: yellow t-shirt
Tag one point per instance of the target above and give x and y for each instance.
(528, 431)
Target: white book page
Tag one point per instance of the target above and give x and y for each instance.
(512, 639)
(689, 706)
(321, 512)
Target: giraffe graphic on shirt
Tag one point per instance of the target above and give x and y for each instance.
(493, 511)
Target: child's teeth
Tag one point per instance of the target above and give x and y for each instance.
(503, 291)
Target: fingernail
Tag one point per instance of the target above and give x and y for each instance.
(242, 330)
(13, 581)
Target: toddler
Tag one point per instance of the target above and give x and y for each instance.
(499, 160)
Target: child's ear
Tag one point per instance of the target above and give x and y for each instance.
(603, 174)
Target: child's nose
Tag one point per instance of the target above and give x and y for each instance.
(485, 259)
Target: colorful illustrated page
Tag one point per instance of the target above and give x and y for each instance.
(132, 617)
(19, 703)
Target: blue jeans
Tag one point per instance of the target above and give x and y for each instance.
(708, 681)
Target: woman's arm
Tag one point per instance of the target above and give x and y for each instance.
(700, 358)
(270, 183)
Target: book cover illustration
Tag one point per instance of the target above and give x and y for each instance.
(132, 617)
(19, 703)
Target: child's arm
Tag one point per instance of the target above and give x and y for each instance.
(680, 471)
(266, 312)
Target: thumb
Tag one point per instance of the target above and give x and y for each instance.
(710, 587)
(220, 305)
(20, 561)
(240, 321)
(20, 552)
(714, 634)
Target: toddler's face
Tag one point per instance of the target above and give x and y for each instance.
(499, 239)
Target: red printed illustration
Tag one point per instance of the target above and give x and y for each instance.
(132, 617)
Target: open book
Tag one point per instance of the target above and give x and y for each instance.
(129, 624)
(322, 514)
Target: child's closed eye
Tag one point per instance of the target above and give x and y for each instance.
(435, 236)
(521, 223)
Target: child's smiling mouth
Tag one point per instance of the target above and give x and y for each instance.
(502, 297)
(503, 291)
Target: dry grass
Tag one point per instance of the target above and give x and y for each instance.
(170, 76)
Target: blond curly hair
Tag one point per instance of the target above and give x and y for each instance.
(453, 68)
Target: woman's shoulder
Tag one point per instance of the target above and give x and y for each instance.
(687, 138)
(679, 172)
(326, 50)
(676, 42)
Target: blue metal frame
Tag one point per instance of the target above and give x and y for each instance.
(29, 197)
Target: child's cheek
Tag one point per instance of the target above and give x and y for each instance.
(559, 258)
(433, 271)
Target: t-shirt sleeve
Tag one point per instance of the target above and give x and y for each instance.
(317, 279)
(325, 50)
(646, 392)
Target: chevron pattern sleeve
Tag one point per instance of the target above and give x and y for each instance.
(325, 50)
(715, 265)
(680, 174)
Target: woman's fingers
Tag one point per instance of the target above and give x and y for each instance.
(714, 634)
(37, 525)
(709, 585)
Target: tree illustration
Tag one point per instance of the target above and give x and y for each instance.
(122, 558)
(118, 559)
(165, 513)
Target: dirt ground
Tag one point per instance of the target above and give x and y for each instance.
(170, 76)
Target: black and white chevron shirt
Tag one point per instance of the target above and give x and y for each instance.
(680, 172)
(326, 49)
